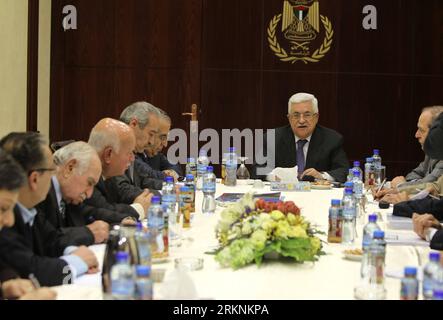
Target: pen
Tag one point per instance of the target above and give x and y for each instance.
(430, 195)
(381, 186)
(34, 281)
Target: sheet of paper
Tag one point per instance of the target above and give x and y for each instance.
(405, 239)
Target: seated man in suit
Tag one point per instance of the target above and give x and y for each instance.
(427, 171)
(33, 245)
(143, 119)
(427, 226)
(12, 178)
(114, 142)
(153, 155)
(317, 151)
(78, 171)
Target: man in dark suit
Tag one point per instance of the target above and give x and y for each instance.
(114, 142)
(315, 150)
(78, 170)
(33, 245)
(426, 225)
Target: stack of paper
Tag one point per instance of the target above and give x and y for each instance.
(399, 223)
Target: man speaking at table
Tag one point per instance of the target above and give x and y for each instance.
(315, 150)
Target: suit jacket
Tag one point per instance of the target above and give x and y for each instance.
(325, 152)
(160, 162)
(437, 240)
(35, 250)
(104, 205)
(124, 189)
(73, 226)
(426, 205)
(428, 170)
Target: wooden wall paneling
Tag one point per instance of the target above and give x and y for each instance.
(32, 74)
(232, 34)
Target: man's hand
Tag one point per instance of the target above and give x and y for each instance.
(129, 221)
(312, 172)
(423, 222)
(100, 230)
(16, 288)
(431, 190)
(397, 180)
(395, 198)
(379, 195)
(87, 256)
(171, 173)
(144, 199)
(40, 294)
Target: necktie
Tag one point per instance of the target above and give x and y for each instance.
(301, 156)
(62, 209)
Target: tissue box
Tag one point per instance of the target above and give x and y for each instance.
(301, 186)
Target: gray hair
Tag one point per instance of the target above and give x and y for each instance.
(100, 139)
(303, 97)
(80, 151)
(141, 111)
(434, 111)
(165, 116)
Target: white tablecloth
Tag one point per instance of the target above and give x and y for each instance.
(332, 277)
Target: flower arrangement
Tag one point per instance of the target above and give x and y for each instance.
(248, 230)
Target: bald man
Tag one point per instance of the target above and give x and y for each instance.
(114, 142)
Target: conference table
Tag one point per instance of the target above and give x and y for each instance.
(331, 277)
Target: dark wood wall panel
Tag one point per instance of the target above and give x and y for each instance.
(371, 85)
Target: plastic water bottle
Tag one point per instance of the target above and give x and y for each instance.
(357, 167)
(349, 217)
(438, 279)
(369, 173)
(143, 240)
(191, 185)
(231, 168)
(209, 184)
(377, 255)
(409, 284)
(143, 283)
(348, 185)
(335, 222)
(368, 232)
(185, 205)
(358, 184)
(191, 167)
(122, 278)
(429, 273)
(169, 197)
(376, 159)
(156, 224)
(202, 163)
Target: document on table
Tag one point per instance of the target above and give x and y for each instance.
(399, 223)
(405, 239)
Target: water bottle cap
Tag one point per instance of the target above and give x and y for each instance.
(372, 218)
(349, 185)
(210, 169)
(379, 234)
(169, 179)
(155, 200)
(122, 256)
(335, 202)
(189, 177)
(356, 163)
(434, 256)
(370, 159)
(376, 152)
(232, 149)
(184, 189)
(349, 191)
(191, 160)
(356, 172)
(438, 293)
(143, 271)
(203, 152)
(410, 271)
(139, 226)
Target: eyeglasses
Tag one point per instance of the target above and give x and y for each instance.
(297, 116)
(41, 170)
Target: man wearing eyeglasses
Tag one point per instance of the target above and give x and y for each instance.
(315, 150)
(33, 245)
(153, 153)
